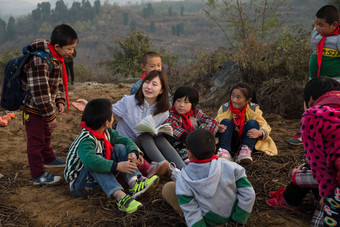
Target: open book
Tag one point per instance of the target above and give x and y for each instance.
(147, 124)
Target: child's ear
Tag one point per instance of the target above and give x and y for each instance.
(142, 67)
(56, 46)
(310, 102)
(249, 100)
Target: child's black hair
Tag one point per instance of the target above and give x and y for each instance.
(63, 35)
(328, 12)
(97, 112)
(149, 54)
(318, 86)
(247, 90)
(201, 143)
(189, 92)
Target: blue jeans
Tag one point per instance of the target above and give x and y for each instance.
(229, 138)
(84, 185)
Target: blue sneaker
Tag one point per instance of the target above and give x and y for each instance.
(46, 179)
(296, 140)
(57, 163)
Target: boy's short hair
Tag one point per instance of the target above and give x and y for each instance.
(189, 92)
(328, 12)
(201, 143)
(97, 112)
(149, 54)
(63, 35)
(318, 86)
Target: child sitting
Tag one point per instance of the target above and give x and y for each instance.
(242, 127)
(99, 153)
(210, 191)
(184, 118)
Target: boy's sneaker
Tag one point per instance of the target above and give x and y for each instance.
(128, 204)
(278, 201)
(158, 168)
(223, 153)
(174, 171)
(275, 194)
(296, 140)
(244, 155)
(142, 185)
(46, 179)
(57, 163)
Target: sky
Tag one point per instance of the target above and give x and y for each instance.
(23, 7)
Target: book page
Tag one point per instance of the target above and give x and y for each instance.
(147, 124)
(166, 128)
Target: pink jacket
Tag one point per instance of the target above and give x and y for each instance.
(320, 130)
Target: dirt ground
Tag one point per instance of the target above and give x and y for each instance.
(22, 204)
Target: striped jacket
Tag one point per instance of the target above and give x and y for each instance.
(87, 151)
(47, 90)
(198, 119)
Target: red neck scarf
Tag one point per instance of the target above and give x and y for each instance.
(144, 74)
(320, 47)
(239, 122)
(205, 160)
(61, 59)
(107, 144)
(185, 119)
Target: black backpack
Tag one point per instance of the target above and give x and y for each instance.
(12, 96)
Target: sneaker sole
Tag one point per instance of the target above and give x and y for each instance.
(295, 144)
(282, 207)
(55, 166)
(152, 186)
(246, 161)
(161, 170)
(56, 180)
(130, 212)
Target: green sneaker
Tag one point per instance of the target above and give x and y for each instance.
(128, 204)
(143, 184)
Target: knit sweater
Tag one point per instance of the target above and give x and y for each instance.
(253, 112)
(46, 88)
(214, 193)
(130, 114)
(89, 152)
(320, 131)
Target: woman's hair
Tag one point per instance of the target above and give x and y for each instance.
(247, 90)
(97, 112)
(63, 35)
(162, 99)
(189, 92)
(318, 86)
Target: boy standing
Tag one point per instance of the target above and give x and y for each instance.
(325, 43)
(211, 191)
(47, 98)
(99, 153)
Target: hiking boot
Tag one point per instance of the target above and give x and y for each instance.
(46, 179)
(128, 204)
(224, 154)
(278, 201)
(296, 140)
(57, 163)
(142, 185)
(174, 171)
(244, 155)
(157, 168)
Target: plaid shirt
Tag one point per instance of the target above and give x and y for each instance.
(198, 119)
(45, 88)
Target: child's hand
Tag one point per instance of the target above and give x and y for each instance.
(80, 104)
(61, 108)
(132, 158)
(322, 201)
(53, 124)
(254, 133)
(127, 167)
(221, 128)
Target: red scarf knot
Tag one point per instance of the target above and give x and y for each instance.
(321, 45)
(185, 119)
(238, 121)
(61, 59)
(107, 144)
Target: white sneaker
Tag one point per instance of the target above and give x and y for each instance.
(174, 171)
(224, 154)
(244, 155)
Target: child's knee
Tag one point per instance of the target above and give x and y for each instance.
(227, 122)
(253, 124)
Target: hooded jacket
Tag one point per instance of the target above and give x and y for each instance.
(214, 193)
(320, 131)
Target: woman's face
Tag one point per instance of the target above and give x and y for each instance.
(151, 89)
(238, 99)
(183, 105)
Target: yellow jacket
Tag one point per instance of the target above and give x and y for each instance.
(253, 112)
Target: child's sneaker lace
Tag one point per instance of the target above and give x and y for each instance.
(223, 153)
(45, 179)
(128, 204)
(142, 185)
